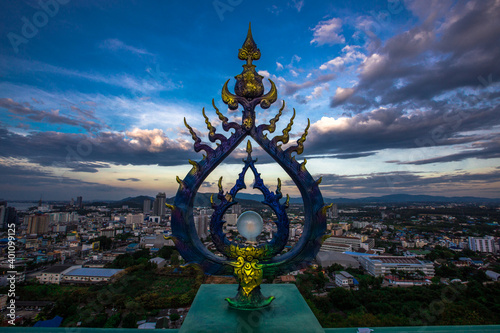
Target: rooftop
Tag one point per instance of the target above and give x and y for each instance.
(57, 269)
(396, 260)
(101, 272)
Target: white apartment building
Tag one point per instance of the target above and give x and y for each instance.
(54, 274)
(382, 265)
(486, 244)
(344, 279)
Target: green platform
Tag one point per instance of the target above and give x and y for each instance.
(289, 312)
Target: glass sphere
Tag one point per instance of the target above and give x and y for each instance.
(250, 225)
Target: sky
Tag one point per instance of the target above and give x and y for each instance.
(402, 96)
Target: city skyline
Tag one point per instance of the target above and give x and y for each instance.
(403, 96)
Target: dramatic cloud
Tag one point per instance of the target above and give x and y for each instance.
(394, 128)
(404, 85)
(452, 48)
(86, 153)
(328, 32)
(462, 183)
(52, 117)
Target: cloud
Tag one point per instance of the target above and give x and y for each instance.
(341, 94)
(86, 153)
(22, 181)
(395, 128)
(481, 150)
(373, 66)
(153, 82)
(153, 141)
(298, 4)
(290, 88)
(453, 47)
(380, 183)
(117, 45)
(279, 66)
(328, 32)
(275, 9)
(52, 116)
(317, 92)
(129, 179)
(350, 55)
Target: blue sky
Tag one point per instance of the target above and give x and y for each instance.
(403, 96)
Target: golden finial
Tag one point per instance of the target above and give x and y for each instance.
(249, 50)
(249, 82)
(249, 147)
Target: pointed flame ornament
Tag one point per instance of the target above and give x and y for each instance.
(250, 262)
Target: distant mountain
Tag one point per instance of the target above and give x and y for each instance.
(140, 199)
(203, 200)
(247, 199)
(409, 198)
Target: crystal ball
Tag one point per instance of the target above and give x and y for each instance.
(250, 225)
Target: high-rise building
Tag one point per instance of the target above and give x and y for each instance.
(38, 224)
(72, 202)
(79, 202)
(146, 208)
(333, 212)
(237, 209)
(159, 207)
(3, 209)
(59, 217)
(201, 224)
(8, 215)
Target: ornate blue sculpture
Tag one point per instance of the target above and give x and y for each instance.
(250, 263)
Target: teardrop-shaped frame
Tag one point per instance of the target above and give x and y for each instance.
(184, 232)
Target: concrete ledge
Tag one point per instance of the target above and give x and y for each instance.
(289, 312)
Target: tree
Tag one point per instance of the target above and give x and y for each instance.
(113, 321)
(105, 243)
(144, 253)
(335, 267)
(123, 261)
(174, 258)
(130, 320)
(166, 252)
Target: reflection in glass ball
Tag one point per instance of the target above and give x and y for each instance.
(250, 225)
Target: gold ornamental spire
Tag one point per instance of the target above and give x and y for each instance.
(249, 82)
